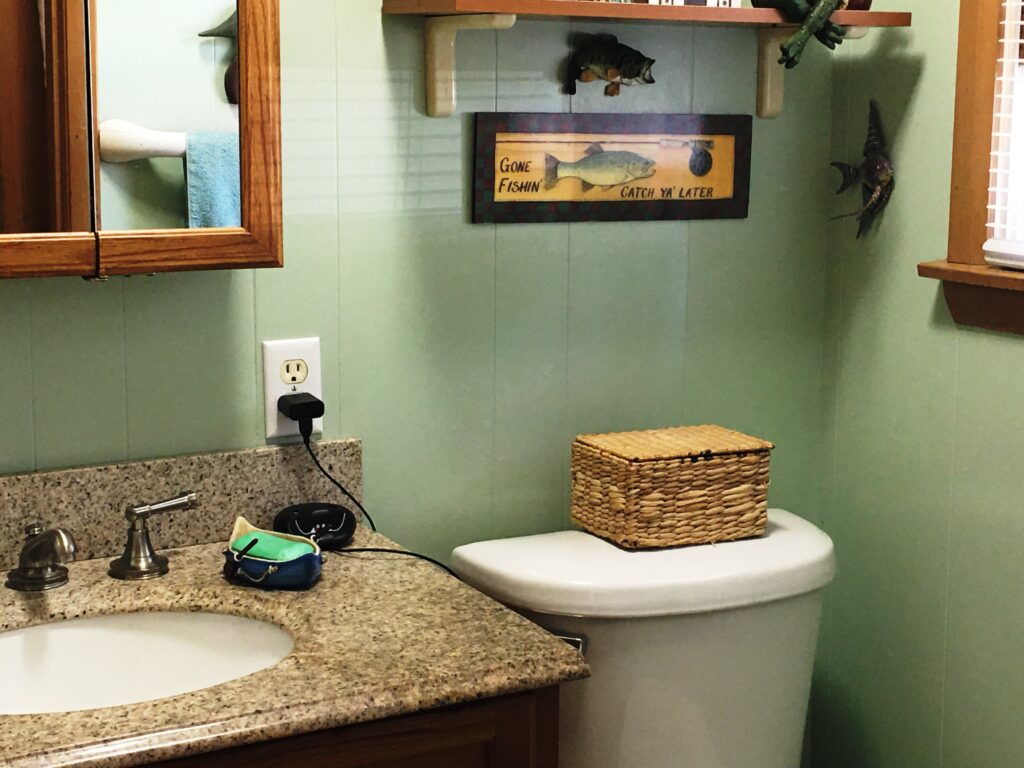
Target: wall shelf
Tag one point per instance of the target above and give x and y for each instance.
(979, 275)
(590, 9)
(446, 18)
(979, 295)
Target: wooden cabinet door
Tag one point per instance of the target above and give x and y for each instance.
(49, 156)
(519, 731)
(258, 241)
(45, 153)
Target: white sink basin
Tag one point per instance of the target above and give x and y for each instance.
(109, 661)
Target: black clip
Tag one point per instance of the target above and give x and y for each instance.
(231, 565)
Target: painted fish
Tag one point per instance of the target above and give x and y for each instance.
(598, 169)
(603, 57)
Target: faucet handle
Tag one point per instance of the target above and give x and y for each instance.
(140, 560)
(184, 500)
(33, 529)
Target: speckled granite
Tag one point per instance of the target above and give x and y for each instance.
(381, 635)
(90, 502)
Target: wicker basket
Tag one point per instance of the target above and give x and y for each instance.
(671, 487)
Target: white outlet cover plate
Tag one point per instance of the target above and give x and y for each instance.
(275, 353)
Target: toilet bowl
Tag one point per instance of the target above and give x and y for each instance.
(700, 657)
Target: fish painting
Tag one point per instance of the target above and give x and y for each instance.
(598, 169)
(603, 57)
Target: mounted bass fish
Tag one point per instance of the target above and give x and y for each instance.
(599, 169)
(603, 57)
(876, 174)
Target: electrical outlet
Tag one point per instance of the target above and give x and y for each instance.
(294, 371)
(290, 366)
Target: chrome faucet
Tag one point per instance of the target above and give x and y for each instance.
(39, 565)
(139, 560)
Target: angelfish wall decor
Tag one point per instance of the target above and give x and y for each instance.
(876, 174)
(229, 30)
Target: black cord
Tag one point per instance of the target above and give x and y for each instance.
(329, 476)
(306, 430)
(374, 550)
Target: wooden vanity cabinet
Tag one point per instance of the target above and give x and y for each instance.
(519, 731)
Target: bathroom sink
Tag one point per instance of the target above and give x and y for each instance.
(109, 661)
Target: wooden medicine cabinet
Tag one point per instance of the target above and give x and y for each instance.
(106, 106)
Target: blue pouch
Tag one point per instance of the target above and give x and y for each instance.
(271, 560)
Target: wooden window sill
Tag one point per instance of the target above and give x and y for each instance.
(979, 295)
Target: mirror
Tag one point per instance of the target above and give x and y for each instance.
(45, 141)
(139, 137)
(167, 93)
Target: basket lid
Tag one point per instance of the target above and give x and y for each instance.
(675, 443)
(573, 573)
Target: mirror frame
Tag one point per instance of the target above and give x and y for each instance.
(71, 252)
(257, 243)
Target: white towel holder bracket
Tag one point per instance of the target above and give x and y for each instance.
(122, 141)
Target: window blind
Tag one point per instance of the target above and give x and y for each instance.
(1005, 246)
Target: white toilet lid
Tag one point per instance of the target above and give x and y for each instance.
(575, 574)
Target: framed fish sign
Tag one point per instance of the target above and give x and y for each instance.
(533, 167)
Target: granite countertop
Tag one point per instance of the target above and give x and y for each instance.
(379, 636)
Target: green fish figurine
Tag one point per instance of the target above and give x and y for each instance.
(598, 169)
(815, 20)
(603, 57)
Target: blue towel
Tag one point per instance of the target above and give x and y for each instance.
(213, 180)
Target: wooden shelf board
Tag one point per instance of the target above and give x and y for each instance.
(446, 18)
(980, 296)
(749, 17)
(979, 275)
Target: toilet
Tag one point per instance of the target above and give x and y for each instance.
(701, 657)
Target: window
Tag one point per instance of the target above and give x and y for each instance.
(986, 212)
(1005, 244)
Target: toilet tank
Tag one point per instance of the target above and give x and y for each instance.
(700, 657)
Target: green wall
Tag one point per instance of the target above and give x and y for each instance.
(465, 356)
(922, 658)
(468, 356)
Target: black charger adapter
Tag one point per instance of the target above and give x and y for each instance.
(303, 408)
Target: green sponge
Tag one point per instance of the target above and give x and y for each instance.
(270, 547)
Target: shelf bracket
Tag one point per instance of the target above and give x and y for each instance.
(771, 76)
(440, 33)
